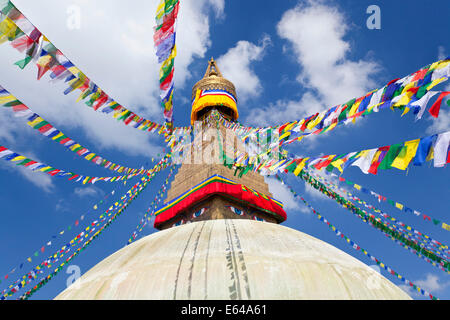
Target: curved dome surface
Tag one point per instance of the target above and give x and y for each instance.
(231, 259)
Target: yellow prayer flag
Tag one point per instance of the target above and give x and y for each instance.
(44, 61)
(59, 135)
(76, 145)
(90, 156)
(434, 65)
(337, 164)
(404, 100)
(74, 70)
(435, 83)
(331, 127)
(408, 86)
(8, 27)
(404, 157)
(18, 158)
(354, 108)
(284, 135)
(357, 186)
(35, 122)
(290, 126)
(405, 111)
(443, 64)
(300, 167)
(160, 9)
(6, 99)
(315, 122)
(430, 155)
(399, 206)
(81, 95)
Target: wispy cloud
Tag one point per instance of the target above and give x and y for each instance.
(315, 33)
(116, 51)
(431, 283)
(282, 193)
(88, 192)
(41, 180)
(235, 65)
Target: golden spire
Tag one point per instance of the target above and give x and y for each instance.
(213, 79)
(212, 70)
(221, 94)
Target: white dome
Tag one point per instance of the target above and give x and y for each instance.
(231, 259)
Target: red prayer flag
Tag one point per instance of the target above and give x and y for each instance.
(374, 166)
(165, 84)
(392, 81)
(434, 110)
(45, 128)
(420, 74)
(19, 107)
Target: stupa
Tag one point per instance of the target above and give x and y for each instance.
(221, 236)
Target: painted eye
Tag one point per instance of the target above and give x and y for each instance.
(199, 213)
(258, 218)
(179, 223)
(237, 211)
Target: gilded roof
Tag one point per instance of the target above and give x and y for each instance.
(213, 79)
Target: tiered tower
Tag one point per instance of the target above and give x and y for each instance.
(203, 188)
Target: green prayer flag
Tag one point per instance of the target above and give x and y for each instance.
(12, 103)
(23, 63)
(7, 8)
(40, 124)
(393, 152)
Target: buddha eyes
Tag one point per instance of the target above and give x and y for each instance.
(179, 223)
(198, 213)
(237, 211)
(258, 218)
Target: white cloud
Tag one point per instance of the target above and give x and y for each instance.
(441, 124)
(282, 193)
(88, 192)
(431, 283)
(315, 33)
(219, 7)
(61, 206)
(235, 65)
(7, 128)
(442, 53)
(114, 47)
(314, 193)
(39, 179)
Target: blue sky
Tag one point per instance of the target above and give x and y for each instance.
(288, 59)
